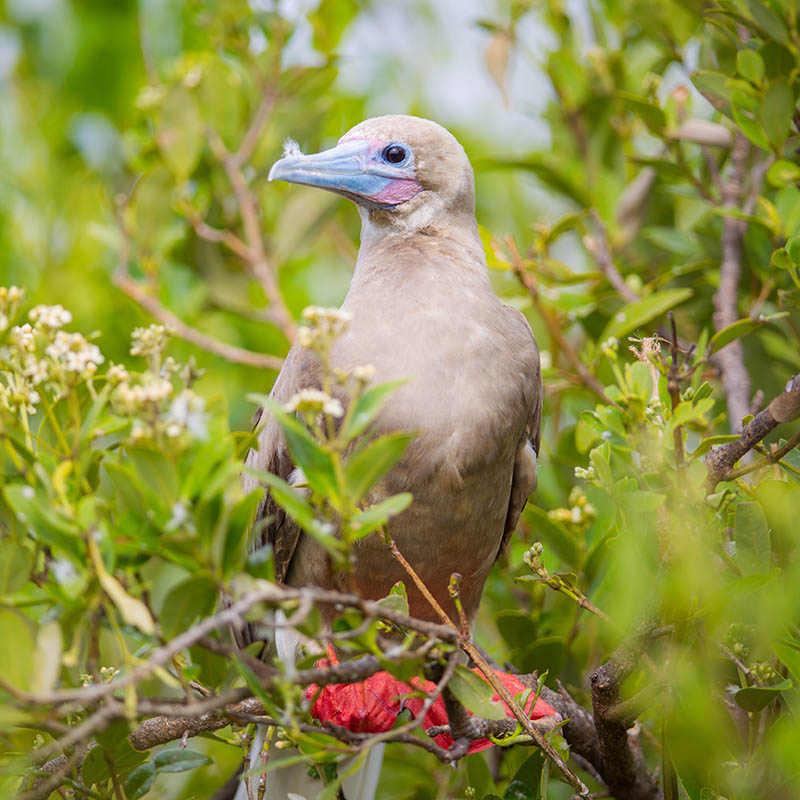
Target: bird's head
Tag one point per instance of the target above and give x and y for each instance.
(403, 172)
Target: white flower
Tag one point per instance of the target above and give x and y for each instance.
(74, 353)
(22, 336)
(318, 313)
(315, 401)
(35, 369)
(149, 341)
(365, 373)
(117, 374)
(188, 412)
(50, 316)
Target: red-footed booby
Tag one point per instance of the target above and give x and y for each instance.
(421, 308)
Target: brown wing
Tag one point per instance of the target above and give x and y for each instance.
(523, 481)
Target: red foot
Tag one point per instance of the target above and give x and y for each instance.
(372, 706)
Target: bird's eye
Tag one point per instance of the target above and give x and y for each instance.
(394, 154)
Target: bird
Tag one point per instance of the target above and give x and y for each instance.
(421, 309)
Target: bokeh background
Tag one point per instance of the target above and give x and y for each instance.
(574, 115)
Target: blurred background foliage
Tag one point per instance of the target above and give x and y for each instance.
(602, 133)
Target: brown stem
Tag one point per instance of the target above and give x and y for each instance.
(474, 653)
(601, 252)
(229, 352)
(262, 269)
(674, 389)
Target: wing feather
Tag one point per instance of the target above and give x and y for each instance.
(523, 481)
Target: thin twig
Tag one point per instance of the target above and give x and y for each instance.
(505, 695)
(601, 252)
(229, 352)
(586, 377)
(674, 389)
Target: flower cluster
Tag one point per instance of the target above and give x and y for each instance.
(322, 326)
(151, 398)
(150, 343)
(10, 298)
(580, 513)
(71, 352)
(50, 316)
(37, 354)
(313, 401)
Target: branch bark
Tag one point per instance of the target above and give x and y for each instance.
(783, 408)
(622, 763)
(735, 378)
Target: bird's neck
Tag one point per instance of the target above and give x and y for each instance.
(450, 252)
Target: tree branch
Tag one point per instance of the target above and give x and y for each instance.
(735, 378)
(600, 251)
(589, 380)
(783, 408)
(622, 766)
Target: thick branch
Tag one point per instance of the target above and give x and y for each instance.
(622, 765)
(783, 408)
(735, 379)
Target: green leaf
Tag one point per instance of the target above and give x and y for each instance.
(16, 563)
(738, 329)
(364, 522)
(177, 759)
(768, 22)
(180, 133)
(752, 539)
(297, 507)
(475, 694)
(397, 599)
(756, 698)
(368, 465)
(187, 602)
(686, 412)
(776, 113)
(714, 87)
(94, 769)
(517, 790)
(788, 652)
(647, 111)
(747, 115)
(316, 462)
(712, 441)
(48, 526)
(140, 781)
(634, 315)
(367, 407)
(750, 65)
(783, 172)
(17, 654)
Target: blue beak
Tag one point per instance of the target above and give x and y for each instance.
(354, 169)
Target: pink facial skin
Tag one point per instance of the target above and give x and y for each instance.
(397, 189)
